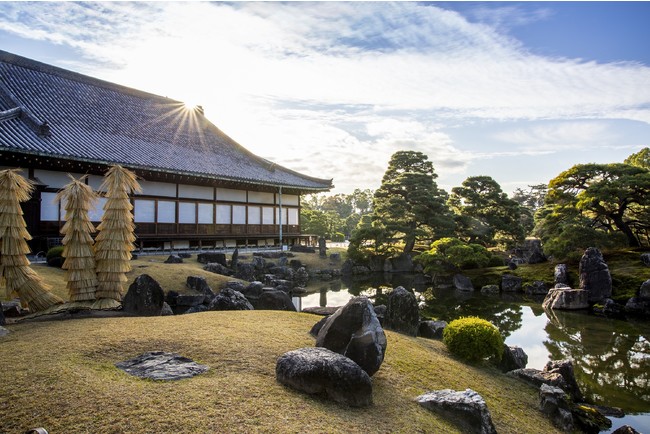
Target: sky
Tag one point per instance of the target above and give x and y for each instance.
(519, 91)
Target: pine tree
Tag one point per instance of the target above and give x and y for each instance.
(78, 243)
(114, 243)
(14, 265)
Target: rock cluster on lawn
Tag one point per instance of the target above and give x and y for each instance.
(465, 408)
(316, 370)
(159, 365)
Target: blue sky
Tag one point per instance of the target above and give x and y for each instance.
(519, 91)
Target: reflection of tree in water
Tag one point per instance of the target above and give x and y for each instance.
(611, 357)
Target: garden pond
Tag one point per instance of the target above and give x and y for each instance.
(611, 356)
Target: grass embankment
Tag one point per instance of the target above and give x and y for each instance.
(61, 375)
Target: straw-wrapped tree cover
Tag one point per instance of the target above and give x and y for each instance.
(114, 243)
(14, 265)
(78, 243)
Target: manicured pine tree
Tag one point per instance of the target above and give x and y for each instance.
(78, 243)
(114, 243)
(14, 265)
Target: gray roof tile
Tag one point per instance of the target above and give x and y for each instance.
(55, 112)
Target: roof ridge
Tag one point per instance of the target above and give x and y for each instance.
(45, 68)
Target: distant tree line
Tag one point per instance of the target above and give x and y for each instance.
(602, 205)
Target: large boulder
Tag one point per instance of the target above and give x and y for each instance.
(566, 299)
(200, 285)
(246, 272)
(638, 306)
(465, 408)
(533, 252)
(274, 300)
(301, 277)
(510, 283)
(432, 329)
(229, 299)
(325, 372)
(565, 369)
(403, 313)
(354, 331)
(209, 258)
(215, 267)
(594, 275)
(513, 357)
(555, 403)
(536, 288)
(145, 297)
(253, 290)
(644, 290)
(463, 283)
(174, 259)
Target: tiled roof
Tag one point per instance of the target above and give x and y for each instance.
(50, 111)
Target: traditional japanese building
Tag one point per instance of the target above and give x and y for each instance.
(201, 189)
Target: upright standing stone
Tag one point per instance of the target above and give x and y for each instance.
(403, 313)
(145, 297)
(561, 274)
(322, 247)
(594, 275)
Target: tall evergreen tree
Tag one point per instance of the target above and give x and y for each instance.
(14, 265)
(408, 205)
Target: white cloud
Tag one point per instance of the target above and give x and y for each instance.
(340, 86)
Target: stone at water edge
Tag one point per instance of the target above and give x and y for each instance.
(465, 408)
(403, 313)
(645, 258)
(513, 357)
(644, 290)
(316, 370)
(566, 298)
(595, 277)
(159, 365)
(561, 274)
(554, 402)
(511, 283)
(463, 283)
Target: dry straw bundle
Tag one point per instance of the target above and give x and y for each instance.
(14, 265)
(114, 242)
(78, 243)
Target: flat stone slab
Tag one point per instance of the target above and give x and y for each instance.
(158, 365)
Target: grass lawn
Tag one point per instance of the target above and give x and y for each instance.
(61, 375)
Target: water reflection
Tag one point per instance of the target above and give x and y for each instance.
(612, 357)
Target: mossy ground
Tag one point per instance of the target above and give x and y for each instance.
(61, 375)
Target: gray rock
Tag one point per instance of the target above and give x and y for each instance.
(533, 252)
(565, 369)
(316, 328)
(638, 306)
(214, 267)
(354, 331)
(236, 285)
(12, 309)
(229, 299)
(246, 272)
(145, 297)
(537, 377)
(463, 283)
(158, 365)
(166, 310)
(555, 403)
(465, 408)
(200, 285)
(324, 372)
(644, 290)
(594, 275)
(536, 288)
(301, 277)
(322, 247)
(174, 259)
(561, 274)
(513, 357)
(510, 283)
(258, 263)
(295, 264)
(490, 289)
(645, 258)
(189, 299)
(335, 257)
(321, 310)
(253, 290)
(196, 309)
(625, 429)
(566, 299)
(403, 313)
(3, 331)
(347, 267)
(212, 258)
(283, 261)
(234, 259)
(275, 300)
(432, 329)
(3, 321)
(608, 308)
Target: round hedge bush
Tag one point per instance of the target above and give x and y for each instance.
(473, 339)
(55, 257)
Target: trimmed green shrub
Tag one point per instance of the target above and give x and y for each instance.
(55, 257)
(473, 339)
